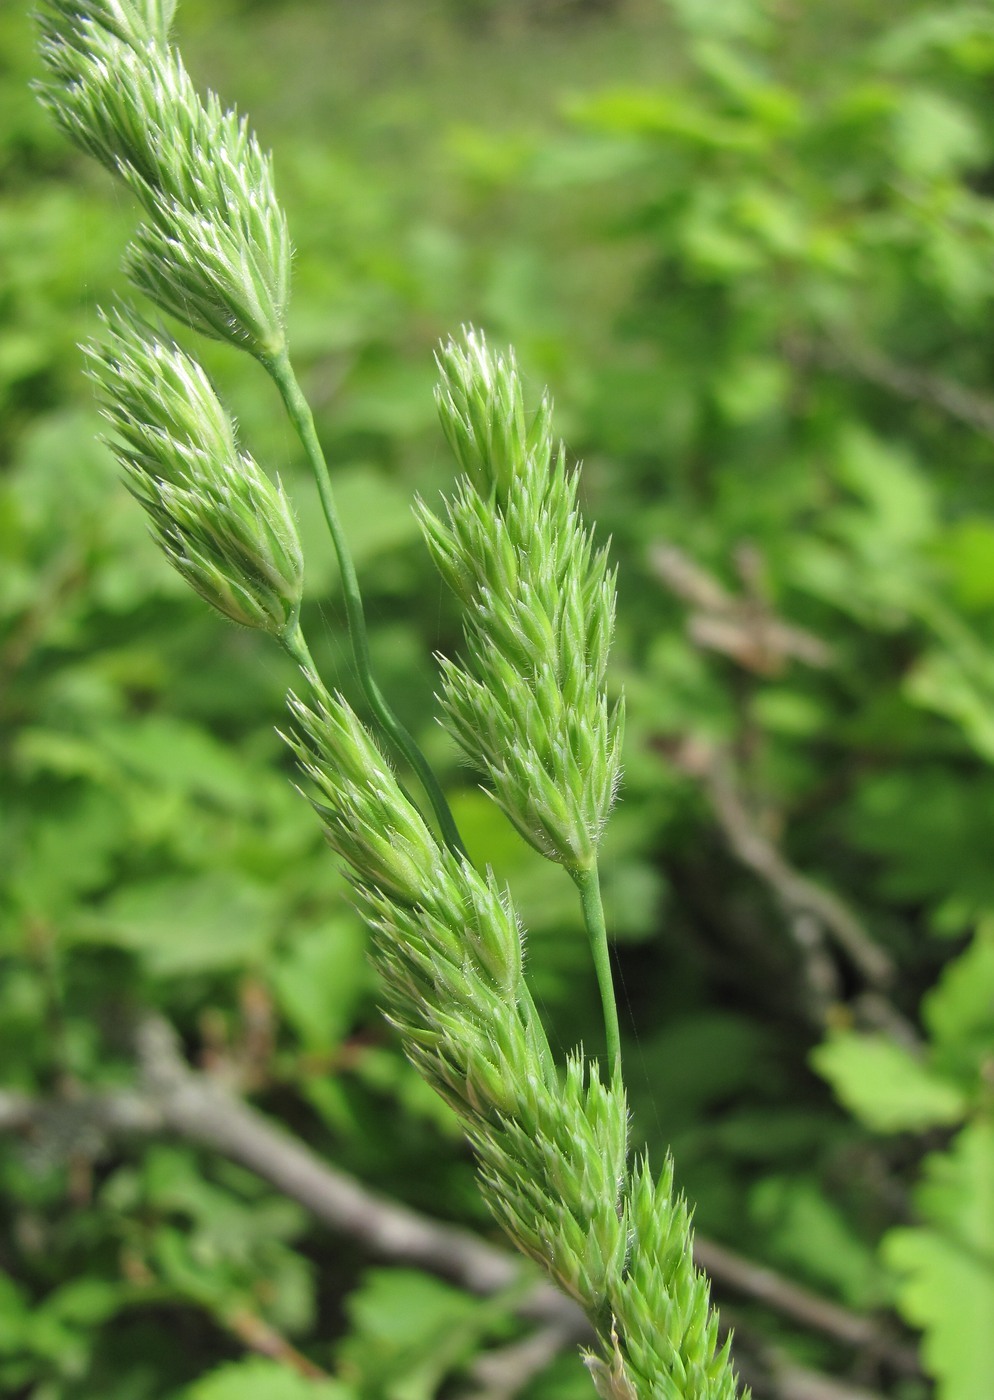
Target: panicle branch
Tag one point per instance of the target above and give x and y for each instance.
(449, 948)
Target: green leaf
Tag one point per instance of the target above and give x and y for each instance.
(672, 115)
(806, 1231)
(962, 689)
(899, 497)
(85, 1301)
(934, 136)
(741, 21)
(966, 551)
(401, 1307)
(320, 980)
(14, 1312)
(959, 1011)
(884, 1086)
(181, 757)
(751, 388)
(180, 926)
(922, 826)
(68, 852)
(791, 712)
(946, 1269)
(259, 1379)
(410, 1330)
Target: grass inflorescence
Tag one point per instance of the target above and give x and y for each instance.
(527, 702)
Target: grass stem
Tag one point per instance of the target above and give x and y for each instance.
(303, 421)
(587, 881)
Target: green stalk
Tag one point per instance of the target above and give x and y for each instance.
(296, 647)
(587, 881)
(303, 421)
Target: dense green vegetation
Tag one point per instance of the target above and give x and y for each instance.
(751, 247)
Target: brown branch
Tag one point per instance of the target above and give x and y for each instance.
(771, 1374)
(794, 1382)
(255, 1333)
(811, 910)
(173, 1098)
(801, 1305)
(905, 381)
(744, 628)
(194, 1107)
(504, 1372)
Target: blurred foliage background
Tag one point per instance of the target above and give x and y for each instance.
(750, 246)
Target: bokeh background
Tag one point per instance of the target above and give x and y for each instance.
(749, 245)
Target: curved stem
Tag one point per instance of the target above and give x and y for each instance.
(295, 645)
(303, 421)
(588, 883)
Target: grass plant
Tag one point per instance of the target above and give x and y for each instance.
(527, 701)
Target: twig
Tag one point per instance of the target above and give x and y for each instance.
(800, 897)
(906, 381)
(771, 1375)
(743, 628)
(259, 1336)
(176, 1099)
(504, 1372)
(801, 1305)
(793, 1382)
(197, 1109)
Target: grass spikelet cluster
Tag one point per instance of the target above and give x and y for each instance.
(661, 1303)
(448, 946)
(215, 250)
(527, 703)
(221, 522)
(551, 1145)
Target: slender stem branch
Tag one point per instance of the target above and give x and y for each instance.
(295, 644)
(303, 421)
(588, 883)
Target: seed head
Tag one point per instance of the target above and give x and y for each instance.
(215, 251)
(482, 412)
(134, 22)
(527, 702)
(661, 1304)
(219, 519)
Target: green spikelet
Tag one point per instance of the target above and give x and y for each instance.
(219, 519)
(551, 1147)
(215, 251)
(449, 948)
(527, 704)
(133, 22)
(661, 1304)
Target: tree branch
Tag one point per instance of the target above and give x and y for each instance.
(802, 1306)
(904, 381)
(172, 1098)
(801, 898)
